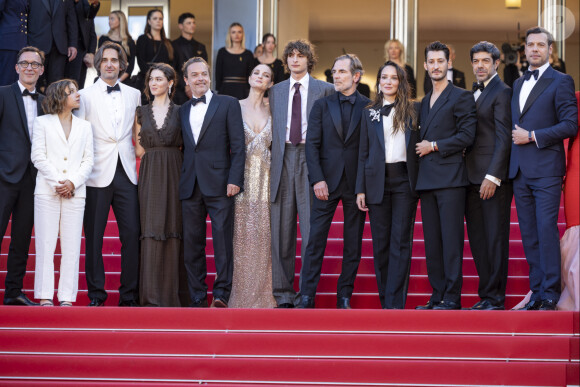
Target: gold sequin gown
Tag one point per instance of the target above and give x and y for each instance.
(252, 280)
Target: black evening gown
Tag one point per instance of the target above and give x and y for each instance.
(232, 72)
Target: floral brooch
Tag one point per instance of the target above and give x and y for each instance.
(375, 115)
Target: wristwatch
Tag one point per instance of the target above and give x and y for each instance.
(530, 136)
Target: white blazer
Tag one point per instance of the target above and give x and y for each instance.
(110, 145)
(57, 158)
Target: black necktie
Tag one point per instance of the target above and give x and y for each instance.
(114, 88)
(195, 101)
(346, 102)
(34, 96)
(386, 110)
(528, 74)
(478, 86)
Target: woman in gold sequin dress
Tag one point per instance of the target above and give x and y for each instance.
(252, 280)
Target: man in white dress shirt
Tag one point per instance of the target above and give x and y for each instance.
(109, 106)
(214, 158)
(20, 104)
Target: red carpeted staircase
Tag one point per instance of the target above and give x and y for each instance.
(180, 346)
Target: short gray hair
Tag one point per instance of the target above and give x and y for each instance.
(355, 64)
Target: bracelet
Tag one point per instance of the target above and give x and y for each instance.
(433, 146)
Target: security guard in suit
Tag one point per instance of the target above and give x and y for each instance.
(14, 30)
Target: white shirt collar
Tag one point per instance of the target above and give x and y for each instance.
(303, 82)
(208, 94)
(103, 85)
(542, 68)
(22, 88)
(485, 83)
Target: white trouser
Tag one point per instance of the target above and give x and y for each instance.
(51, 214)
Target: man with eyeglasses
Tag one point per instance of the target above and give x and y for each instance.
(20, 104)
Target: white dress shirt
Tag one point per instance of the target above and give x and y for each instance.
(395, 144)
(304, 99)
(114, 103)
(197, 115)
(30, 107)
(528, 85)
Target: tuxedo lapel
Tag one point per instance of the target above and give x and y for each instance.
(104, 113)
(55, 123)
(379, 130)
(46, 4)
(539, 87)
(436, 106)
(282, 111)
(334, 109)
(21, 109)
(211, 109)
(186, 125)
(487, 91)
(355, 117)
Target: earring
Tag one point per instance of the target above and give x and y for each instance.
(170, 89)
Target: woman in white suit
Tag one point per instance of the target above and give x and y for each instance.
(62, 151)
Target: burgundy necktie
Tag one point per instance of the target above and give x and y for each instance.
(296, 119)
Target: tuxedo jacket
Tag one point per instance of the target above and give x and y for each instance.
(328, 154)
(86, 21)
(458, 80)
(58, 158)
(15, 144)
(451, 122)
(48, 25)
(218, 157)
(370, 178)
(490, 152)
(109, 144)
(13, 25)
(551, 112)
(278, 96)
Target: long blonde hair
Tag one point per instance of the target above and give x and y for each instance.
(123, 31)
(229, 43)
(401, 49)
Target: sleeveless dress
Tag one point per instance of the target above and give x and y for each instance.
(160, 208)
(252, 279)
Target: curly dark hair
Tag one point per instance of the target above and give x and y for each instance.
(305, 48)
(169, 73)
(56, 96)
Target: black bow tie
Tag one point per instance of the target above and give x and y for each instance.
(478, 86)
(350, 98)
(528, 74)
(386, 110)
(34, 96)
(195, 101)
(114, 88)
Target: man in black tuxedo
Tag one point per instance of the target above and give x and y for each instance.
(20, 104)
(455, 76)
(489, 194)
(53, 28)
(86, 10)
(447, 127)
(185, 47)
(544, 113)
(212, 174)
(332, 143)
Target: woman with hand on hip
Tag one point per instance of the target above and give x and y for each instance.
(386, 181)
(62, 151)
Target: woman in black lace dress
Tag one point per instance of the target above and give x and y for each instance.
(158, 142)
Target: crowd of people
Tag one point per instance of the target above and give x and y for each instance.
(267, 148)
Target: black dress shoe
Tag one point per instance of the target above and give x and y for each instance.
(447, 305)
(532, 305)
(219, 302)
(130, 303)
(343, 303)
(487, 305)
(428, 305)
(285, 305)
(197, 303)
(21, 300)
(96, 302)
(548, 305)
(306, 302)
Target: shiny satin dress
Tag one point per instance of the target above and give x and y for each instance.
(252, 280)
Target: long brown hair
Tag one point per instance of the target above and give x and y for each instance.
(169, 74)
(405, 110)
(164, 39)
(123, 31)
